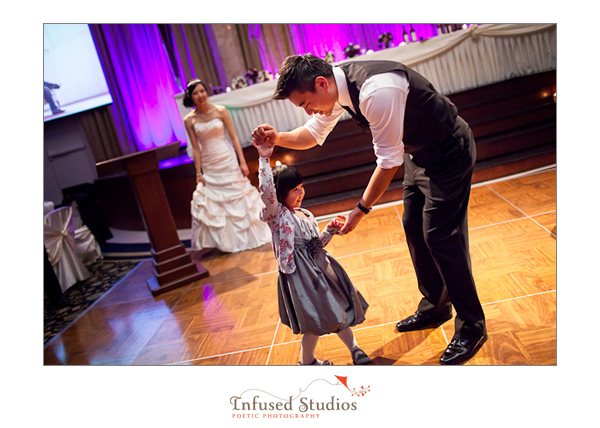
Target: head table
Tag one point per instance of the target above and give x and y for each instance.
(453, 62)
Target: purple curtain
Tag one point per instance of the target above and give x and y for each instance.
(142, 83)
(319, 39)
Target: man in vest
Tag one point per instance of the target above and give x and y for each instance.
(411, 124)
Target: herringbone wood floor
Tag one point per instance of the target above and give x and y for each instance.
(231, 317)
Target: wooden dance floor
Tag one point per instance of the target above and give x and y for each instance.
(231, 317)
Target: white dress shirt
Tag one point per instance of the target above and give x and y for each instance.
(382, 101)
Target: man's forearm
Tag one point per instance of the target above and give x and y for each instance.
(298, 139)
(380, 180)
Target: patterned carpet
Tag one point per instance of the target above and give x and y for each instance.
(80, 296)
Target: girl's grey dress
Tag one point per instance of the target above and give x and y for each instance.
(318, 298)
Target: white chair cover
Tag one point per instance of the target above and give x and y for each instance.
(87, 247)
(59, 240)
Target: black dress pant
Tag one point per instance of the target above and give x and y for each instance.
(436, 198)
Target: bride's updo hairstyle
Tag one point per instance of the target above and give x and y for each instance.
(285, 177)
(187, 96)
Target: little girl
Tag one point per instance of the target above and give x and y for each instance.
(315, 295)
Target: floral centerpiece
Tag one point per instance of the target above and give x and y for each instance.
(264, 75)
(351, 50)
(239, 82)
(251, 75)
(216, 89)
(386, 39)
(329, 57)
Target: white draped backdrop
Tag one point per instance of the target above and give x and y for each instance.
(454, 62)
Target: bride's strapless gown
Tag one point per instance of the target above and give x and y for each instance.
(225, 211)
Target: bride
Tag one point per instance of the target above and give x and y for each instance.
(225, 206)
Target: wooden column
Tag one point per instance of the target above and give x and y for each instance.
(173, 266)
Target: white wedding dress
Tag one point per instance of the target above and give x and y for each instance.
(225, 211)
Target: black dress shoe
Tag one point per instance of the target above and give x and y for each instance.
(315, 362)
(359, 358)
(420, 321)
(461, 350)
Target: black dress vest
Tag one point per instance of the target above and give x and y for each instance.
(428, 118)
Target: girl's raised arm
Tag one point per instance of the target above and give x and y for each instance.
(266, 186)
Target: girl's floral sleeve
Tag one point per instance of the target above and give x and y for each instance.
(267, 190)
(326, 235)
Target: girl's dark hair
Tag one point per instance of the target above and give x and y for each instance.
(298, 73)
(187, 96)
(285, 177)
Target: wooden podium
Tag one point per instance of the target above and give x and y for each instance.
(173, 266)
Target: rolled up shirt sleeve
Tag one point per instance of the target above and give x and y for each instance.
(383, 106)
(320, 126)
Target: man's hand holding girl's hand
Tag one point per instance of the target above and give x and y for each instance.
(336, 224)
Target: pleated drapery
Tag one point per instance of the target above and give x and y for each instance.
(453, 62)
(142, 84)
(148, 66)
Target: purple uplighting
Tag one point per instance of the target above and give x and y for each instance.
(146, 84)
(143, 80)
(319, 39)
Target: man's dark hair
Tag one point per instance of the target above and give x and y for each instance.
(285, 177)
(298, 73)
